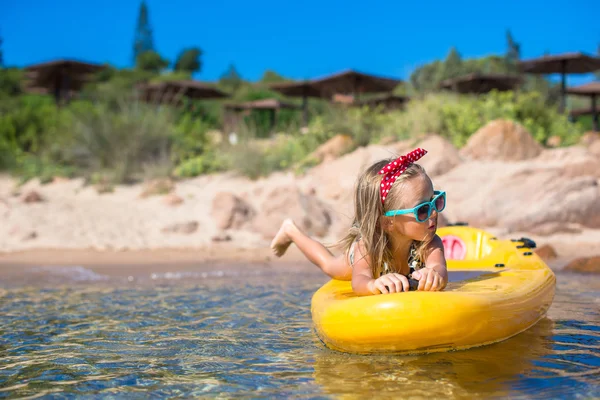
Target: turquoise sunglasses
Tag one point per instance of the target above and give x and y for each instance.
(422, 212)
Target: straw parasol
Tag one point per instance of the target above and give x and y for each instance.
(481, 83)
(591, 90)
(563, 64)
(344, 82)
(173, 91)
(60, 77)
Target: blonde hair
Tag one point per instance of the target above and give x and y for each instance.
(368, 212)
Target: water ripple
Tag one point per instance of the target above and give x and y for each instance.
(198, 336)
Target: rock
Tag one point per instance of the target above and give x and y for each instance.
(333, 148)
(307, 211)
(336, 179)
(221, 237)
(32, 197)
(546, 252)
(184, 228)
(230, 211)
(520, 197)
(104, 187)
(157, 187)
(574, 161)
(589, 138)
(551, 228)
(501, 140)
(30, 236)
(172, 200)
(594, 148)
(441, 155)
(588, 265)
(554, 141)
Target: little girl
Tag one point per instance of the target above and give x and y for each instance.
(393, 235)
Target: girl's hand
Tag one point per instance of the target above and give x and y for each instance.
(429, 279)
(389, 283)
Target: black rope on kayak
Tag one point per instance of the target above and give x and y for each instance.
(527, 243)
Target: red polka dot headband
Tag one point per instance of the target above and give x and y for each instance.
(394, 169)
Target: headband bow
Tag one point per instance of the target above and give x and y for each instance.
(394, 169)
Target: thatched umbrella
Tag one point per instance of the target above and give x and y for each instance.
(60, 77)
(304, 89)
(172, 92)
(591, 90)
(566, 63)
(355, 83)
(345, 82)
(481, 83)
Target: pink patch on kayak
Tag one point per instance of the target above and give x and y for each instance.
(454, 247)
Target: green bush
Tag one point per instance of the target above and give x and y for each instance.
(204, 164)
(453, 116)
(123, 141)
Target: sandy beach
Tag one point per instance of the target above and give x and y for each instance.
(550, 197)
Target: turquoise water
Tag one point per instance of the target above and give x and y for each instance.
(248, 334)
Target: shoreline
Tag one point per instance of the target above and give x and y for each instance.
(185, 258)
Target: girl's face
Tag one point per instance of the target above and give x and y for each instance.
(417, 190)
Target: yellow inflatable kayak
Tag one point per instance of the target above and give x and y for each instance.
(497, 289)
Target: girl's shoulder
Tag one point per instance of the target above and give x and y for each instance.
(357, 251)
(435, 244)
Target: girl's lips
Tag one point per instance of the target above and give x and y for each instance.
(432, 227)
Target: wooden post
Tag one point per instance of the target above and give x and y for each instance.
(273, 116)
(563, 86)
(594, 114)
(305, 109)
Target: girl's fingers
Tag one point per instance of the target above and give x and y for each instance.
(396, 282)
(381, 286)
(429, 282)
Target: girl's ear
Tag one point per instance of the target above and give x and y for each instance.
(387, 223)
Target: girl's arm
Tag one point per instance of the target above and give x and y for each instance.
(436, 260)
(363, 283)
(362, 277)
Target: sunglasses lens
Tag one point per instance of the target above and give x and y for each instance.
(423, 212)
(440, 203)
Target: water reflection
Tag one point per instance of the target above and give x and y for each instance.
(488, 370)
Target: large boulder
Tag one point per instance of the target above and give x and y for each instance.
(230, 211)
(441, 155)
(288, 201)
(587, 265)
(501, 140)
(589, 137)
(333, 148)
(520, 196)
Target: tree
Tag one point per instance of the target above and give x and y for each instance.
(425, 77)
(231, 79)
(597, 51)
(272, 77)
(1, 56)
(513, 53)
(189, 60)
(151, 61)
(143, 40)
(453, 65)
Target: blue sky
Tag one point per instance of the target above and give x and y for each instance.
(298, 39)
